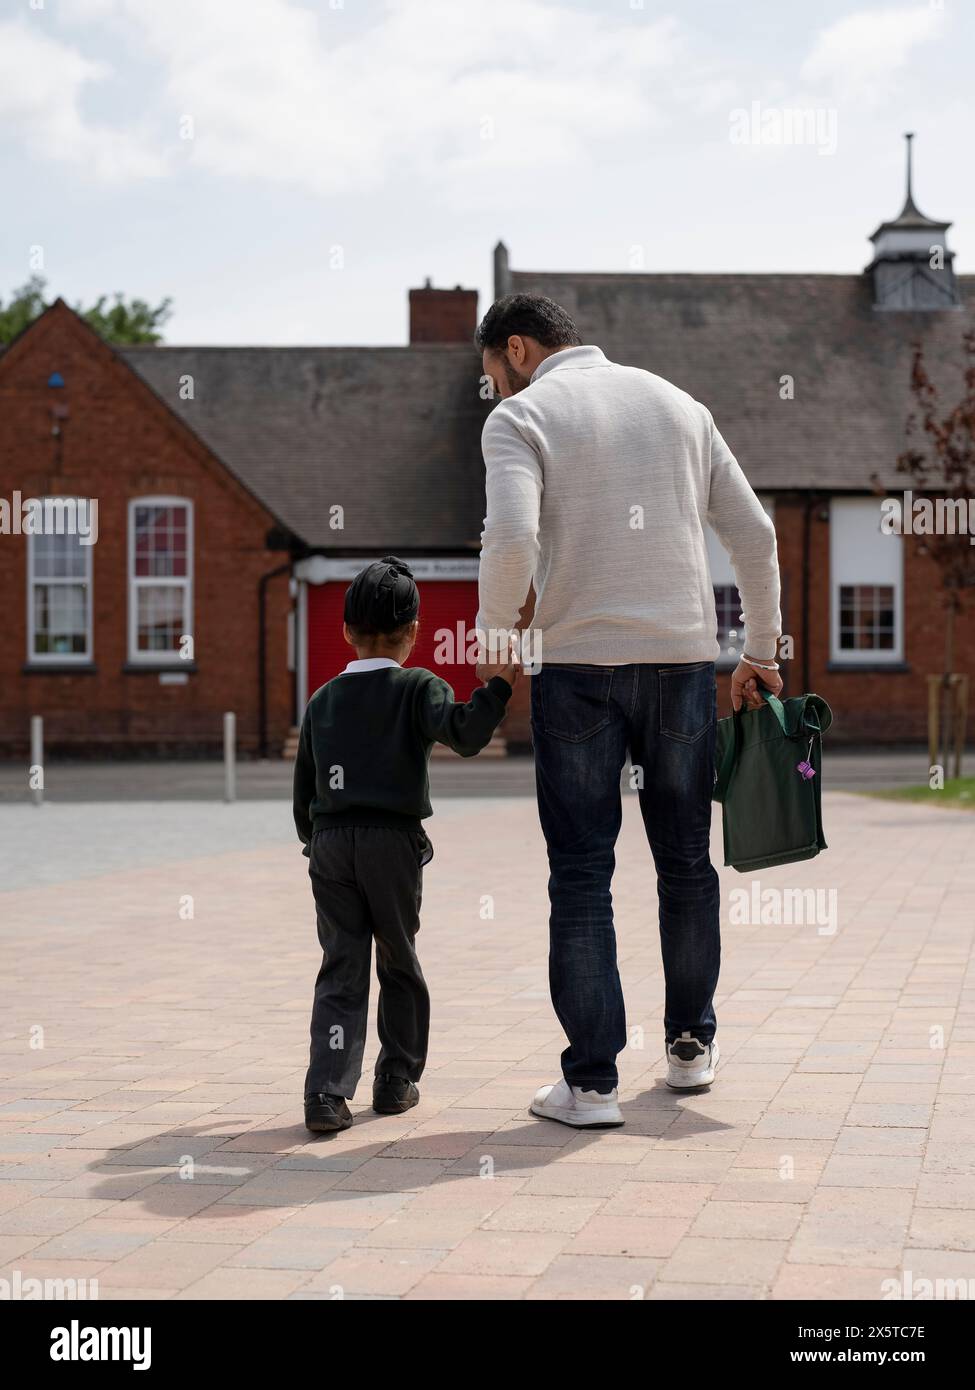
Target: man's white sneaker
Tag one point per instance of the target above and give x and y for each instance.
(571, 1105)
(690, 1063)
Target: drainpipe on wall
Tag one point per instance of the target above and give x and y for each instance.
(806, 573)
(262, 653)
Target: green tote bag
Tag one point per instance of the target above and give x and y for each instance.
(768, 779)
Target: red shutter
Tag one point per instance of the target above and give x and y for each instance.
(443, 604)
(327, 649)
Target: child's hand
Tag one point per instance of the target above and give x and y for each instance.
(509, 671)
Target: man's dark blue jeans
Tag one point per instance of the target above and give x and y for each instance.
(584, 720)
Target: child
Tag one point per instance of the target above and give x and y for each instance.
(360, 792)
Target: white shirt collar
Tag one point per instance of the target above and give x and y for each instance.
(586, 356)
(369, 663)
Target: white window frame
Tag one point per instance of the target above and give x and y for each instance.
(840, 577)
(135, 582)
(61, 658)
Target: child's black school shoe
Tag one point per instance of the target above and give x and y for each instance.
(391, 1095)
(324, 1114)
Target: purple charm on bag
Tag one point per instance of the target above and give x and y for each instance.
(805, 770)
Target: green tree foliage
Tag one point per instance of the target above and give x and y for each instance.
(118, 321)
(25, 306)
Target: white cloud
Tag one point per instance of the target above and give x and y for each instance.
(42, 83)
(316, 99)
(863, 55)
(279, 93)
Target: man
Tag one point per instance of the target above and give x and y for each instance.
(600, 482)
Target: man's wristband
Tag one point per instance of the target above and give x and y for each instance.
(760, 665)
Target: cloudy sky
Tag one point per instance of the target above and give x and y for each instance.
(287, 169)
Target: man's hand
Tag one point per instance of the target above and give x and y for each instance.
(745, 681)
(508, 671)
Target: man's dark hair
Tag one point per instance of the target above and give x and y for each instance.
(527, 316)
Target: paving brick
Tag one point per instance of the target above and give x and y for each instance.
(537, 1213)
(666, 1292)
(867, 1140)
(423, 1229)
(725, 1259)
(595, 1278)
(839, 1228)
(392, 1175)
(227, 1224)
(872, 1171)
(238, 1284)
(291, 1246)
(375, 1271)
(49, 1216)
(830, 1282)
(941, 1156)
(505, 1252)
(12, 1247)
(480, 1288)
(670, 1199)
(164, 1264)
(946, 1190)
(748, 1220)
(656, 1236)
(934, 1228)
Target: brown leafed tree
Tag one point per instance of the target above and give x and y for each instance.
(940, 462)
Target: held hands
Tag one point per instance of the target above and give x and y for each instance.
(745, 682)
(507, 667)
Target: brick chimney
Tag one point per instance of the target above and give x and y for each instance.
(442, 316)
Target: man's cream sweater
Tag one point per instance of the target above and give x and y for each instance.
(601, 480)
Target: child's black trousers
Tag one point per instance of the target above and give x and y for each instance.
(367, 882)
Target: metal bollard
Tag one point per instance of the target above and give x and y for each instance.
(230, 756)
(36, 759)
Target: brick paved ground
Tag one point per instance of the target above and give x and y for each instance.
(155, 1140)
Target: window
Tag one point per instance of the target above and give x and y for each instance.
(866, 578)
(867, 617)
(160, 578)
(727, 600)
(58, 599)
(727, 604)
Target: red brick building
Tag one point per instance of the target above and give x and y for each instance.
(239, 489)
(183, 548)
